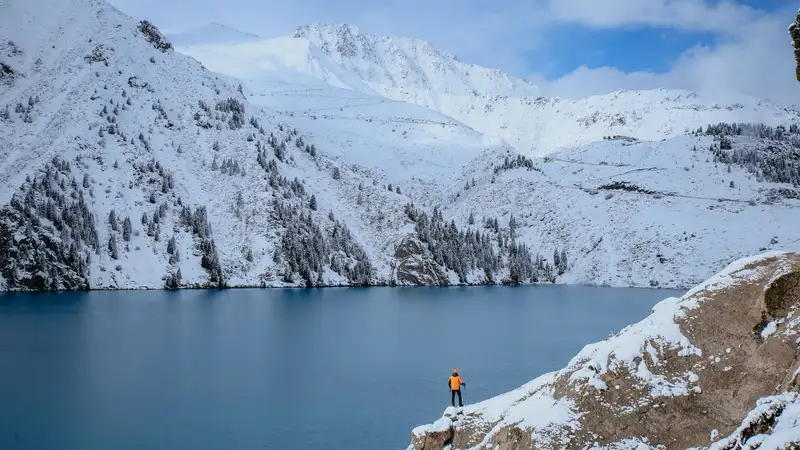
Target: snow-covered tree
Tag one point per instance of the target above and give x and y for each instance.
(127, 229)
(112, 247)
(794, 32)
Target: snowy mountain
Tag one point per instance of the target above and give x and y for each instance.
(127, 164)
(490, 101)
(673, 380)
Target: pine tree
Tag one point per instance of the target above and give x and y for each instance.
(171, 245)
(112, 220)
(127, 228)
(471, 219)
(112, 247)
(313, 203)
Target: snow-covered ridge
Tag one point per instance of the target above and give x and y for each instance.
(665, 382)
(488, 100)
(405, 64)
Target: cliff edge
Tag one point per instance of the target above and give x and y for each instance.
(714, 369)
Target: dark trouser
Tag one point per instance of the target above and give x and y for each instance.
(453, 397)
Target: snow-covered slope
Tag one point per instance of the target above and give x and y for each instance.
(489, 101)
(617, 238)
(640, 213)
(714, 369)
(286, 179)
(114, 145)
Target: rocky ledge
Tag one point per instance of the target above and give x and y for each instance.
(715, 369)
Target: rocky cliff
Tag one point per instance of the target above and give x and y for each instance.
(714, 369)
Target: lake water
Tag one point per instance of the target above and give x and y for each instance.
(278, 369)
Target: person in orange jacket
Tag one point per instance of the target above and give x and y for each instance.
(455, 382)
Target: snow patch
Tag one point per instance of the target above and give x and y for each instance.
(657, 331)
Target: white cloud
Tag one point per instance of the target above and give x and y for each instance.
(696, 15)
(754, 60)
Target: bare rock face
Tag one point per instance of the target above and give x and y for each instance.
(154, 37)
(437, 435)
(415, 265)
(715, 369)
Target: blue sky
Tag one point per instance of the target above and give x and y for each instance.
(636, 49)
(572, 48)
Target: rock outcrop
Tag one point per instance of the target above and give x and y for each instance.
(715, 369)
(416, 266)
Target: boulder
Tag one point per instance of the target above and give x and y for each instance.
(416, 266)
(714, 369)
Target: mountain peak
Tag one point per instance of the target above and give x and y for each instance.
(406, 68)
(339, 29)
(346, 38)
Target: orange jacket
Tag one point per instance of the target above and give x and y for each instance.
(455, 382)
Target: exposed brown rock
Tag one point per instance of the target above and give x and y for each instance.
(715, 390)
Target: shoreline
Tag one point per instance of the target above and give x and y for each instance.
(200, 287)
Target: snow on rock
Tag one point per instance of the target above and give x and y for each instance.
(665, 381)
(773, 424)
(490, 101)
(435, 435)
(656, 334)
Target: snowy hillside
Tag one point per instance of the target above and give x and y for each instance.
(127, 164)
(489, 101)
(646, 213)
(674, 380)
